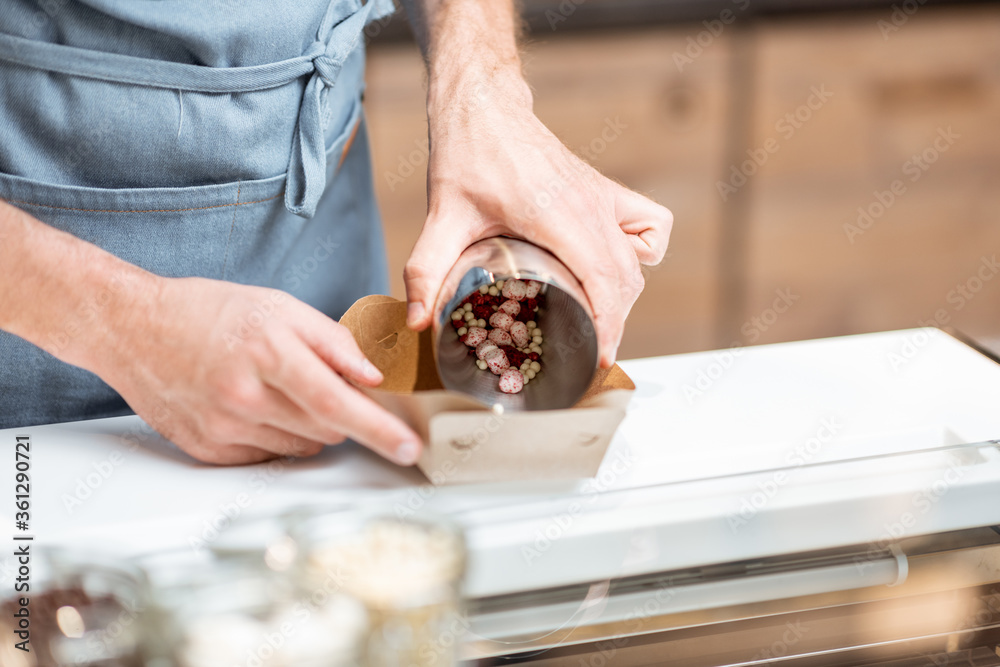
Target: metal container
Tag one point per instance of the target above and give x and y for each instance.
(570, 356)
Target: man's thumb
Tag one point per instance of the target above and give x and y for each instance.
(436, 251)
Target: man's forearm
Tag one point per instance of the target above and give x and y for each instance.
(61, 293)
(470, 47)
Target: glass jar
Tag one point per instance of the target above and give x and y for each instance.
(407, 573)
(241, 606)
(84, 609)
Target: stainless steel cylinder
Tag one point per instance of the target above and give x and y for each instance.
(570, 349)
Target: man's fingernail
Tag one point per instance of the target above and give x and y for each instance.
(408, 453)
(369, 371)
(414, 312)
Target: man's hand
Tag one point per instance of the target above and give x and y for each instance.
(247, 373)
(230, 373)
(495, 169)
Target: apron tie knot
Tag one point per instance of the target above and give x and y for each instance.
(307, 163)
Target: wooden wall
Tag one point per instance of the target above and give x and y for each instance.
(863, 99)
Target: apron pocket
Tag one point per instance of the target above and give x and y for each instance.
(238, 231)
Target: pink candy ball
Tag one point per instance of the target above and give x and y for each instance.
(515, 289)
(520, 334)
(475, 336)
(501, 337)
(501, 320)
(511, 307)
(483, 348)
(511, 381)
(497, 361)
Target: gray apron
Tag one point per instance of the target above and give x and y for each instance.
(214, 140)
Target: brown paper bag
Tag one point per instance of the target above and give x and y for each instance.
(467, 441)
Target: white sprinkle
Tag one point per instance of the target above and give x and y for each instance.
(530, 374)
(457, 315)
(481, 323)
(481, 364)
(468, 316)
(531, 324)
(536, 332)
(535, 366)
(499, 284)
(493, 291)
(484, 289)
(462, 331)
(537, 340)
(467, 306)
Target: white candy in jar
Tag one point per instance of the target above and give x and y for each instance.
(515, 289)
(483, 348)
(501, 337)
(497, 361)
(519, 333)
(511, 307)
(511, 381)
(501, 320)
(475, 336)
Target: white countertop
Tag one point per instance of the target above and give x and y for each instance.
(113, 484)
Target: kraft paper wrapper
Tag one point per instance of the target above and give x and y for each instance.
(466, 441)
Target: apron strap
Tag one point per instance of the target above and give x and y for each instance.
(323, 60)
(118, 68)
(306, 178)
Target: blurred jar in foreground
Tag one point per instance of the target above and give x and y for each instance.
(407, 573)
(242, 608)
(83, 610)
